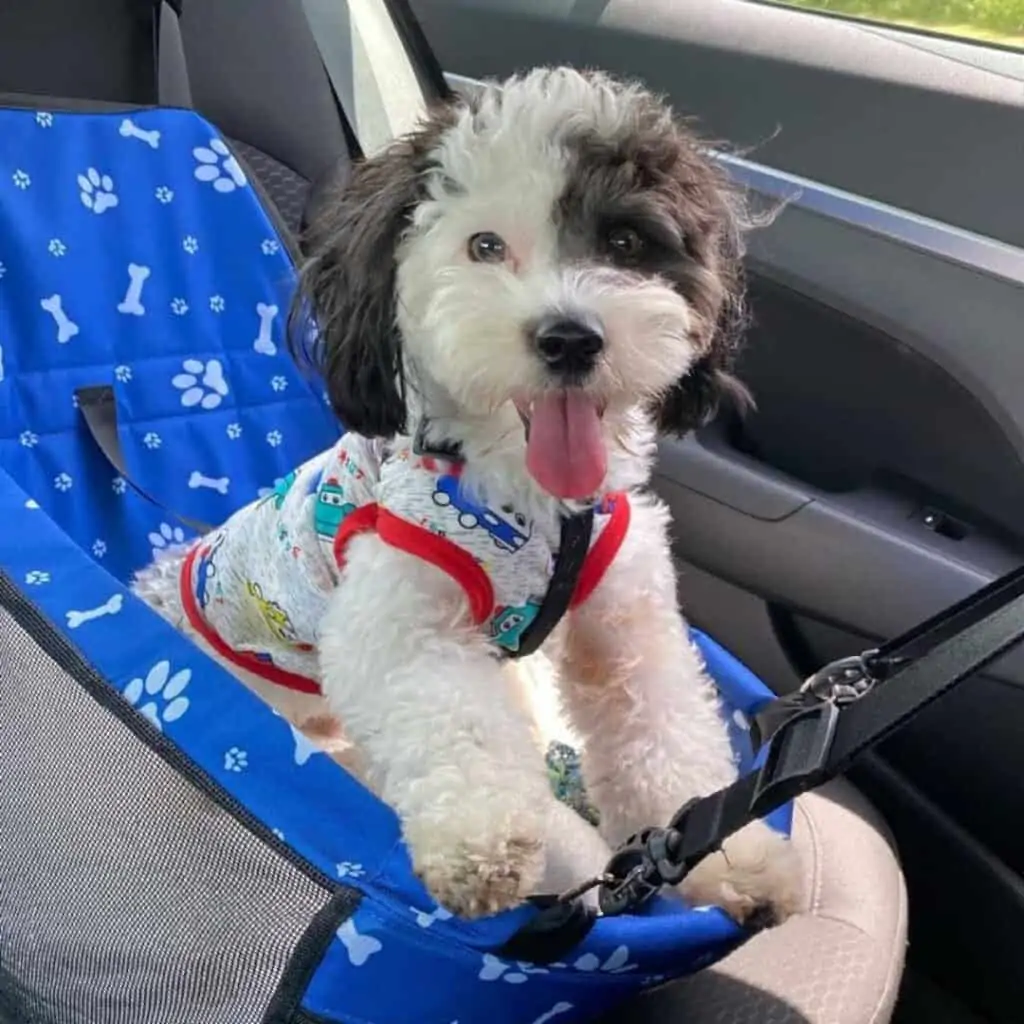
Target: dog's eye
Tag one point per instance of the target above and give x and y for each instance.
(624, 242)
(487, 247)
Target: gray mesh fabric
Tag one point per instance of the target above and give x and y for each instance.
(127, 896)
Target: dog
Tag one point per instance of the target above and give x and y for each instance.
(513, 302)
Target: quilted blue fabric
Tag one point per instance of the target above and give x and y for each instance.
(134, 252)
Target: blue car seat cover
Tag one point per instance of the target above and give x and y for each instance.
(135, 255)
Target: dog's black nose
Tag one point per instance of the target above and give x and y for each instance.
(569, 346)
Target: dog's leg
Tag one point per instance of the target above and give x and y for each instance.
(440, 735)
(636, 691)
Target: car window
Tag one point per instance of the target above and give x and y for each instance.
(992, 21)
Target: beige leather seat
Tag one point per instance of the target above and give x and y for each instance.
(839, 962)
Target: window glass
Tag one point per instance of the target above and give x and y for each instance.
(994, 21)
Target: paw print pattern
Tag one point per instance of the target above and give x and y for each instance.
(269, 246)
(152, 440)
(44, 119)
(123, 373)
(179, 307)
(494, 969)
(160, 696)
(164, 536)
(349, 869)
(201, 384)
(99, 548)
(21, 179)
(234, 431)
(274, 438)
(56, 247)
(37, 577)
(278, 383)
(3, 270)
(617, 962)
(164, 194)
(28, 439)
(236, 760)
(190, 244)
(217, 303)
(119, 485)
(215, 164)
(63, 482)
(96, 191)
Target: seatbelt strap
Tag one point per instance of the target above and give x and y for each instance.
(377, 106)
(816, 733)
(98, 408)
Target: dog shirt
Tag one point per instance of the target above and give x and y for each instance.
(256, 588)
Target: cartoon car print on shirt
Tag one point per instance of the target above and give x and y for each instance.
(510, 623)
(331, 508)
(206, 571)
(508, 529)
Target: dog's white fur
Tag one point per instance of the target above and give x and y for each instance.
(433, 723)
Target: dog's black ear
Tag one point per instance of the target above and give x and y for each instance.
(347, 284)
(718, 297)
(695, 398)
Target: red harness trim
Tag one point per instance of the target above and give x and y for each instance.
(419, 541)
(446, 555)
(605, 548)
(362, 520)
(243, 659)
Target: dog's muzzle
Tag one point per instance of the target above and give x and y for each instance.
(569, 346)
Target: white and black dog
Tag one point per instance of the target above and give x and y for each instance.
(513, 301)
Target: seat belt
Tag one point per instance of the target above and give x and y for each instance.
(409, 71)
(815, 734)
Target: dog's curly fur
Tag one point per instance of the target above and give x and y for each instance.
(411, 328)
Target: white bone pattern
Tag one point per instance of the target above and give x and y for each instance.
(264, 344)
(66, 327)
(555, 1011)
(132, 301)
(359, 947)
(130, 130)
(219, 483)
(110, 607)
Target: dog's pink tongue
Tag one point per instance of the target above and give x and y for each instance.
(565, 453)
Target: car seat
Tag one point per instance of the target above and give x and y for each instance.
(252, 69)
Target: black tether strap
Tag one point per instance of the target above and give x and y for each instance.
(816, 733)
(99, 410)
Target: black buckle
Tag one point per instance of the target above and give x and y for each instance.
(797, 753)
(643, 864)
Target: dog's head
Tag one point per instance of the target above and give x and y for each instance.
(562, 243)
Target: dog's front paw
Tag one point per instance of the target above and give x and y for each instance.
(478, 866)
(756, 878)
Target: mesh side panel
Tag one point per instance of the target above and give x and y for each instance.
(127, 896)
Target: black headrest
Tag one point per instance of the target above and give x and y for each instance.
(79, 49)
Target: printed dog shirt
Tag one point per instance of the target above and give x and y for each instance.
(256, 588)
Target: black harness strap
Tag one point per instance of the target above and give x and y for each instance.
(572, 552)
(573, 545)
